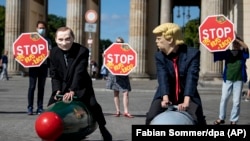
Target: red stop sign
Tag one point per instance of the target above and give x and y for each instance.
(30, 49)
(120, 59)
(216, 33)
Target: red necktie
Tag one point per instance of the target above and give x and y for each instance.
(177, 84)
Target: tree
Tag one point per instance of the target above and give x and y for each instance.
(191, 33)
(104, 44)
(54, 22)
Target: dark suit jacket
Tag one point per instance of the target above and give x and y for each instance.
(74, 76)
(189, 67)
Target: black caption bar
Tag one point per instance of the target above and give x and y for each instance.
(211, 132)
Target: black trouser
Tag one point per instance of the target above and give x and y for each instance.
(94, 107)
(37, 75)
(194, 110)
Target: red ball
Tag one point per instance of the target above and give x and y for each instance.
(49, 126)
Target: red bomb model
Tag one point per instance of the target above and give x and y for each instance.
(68, 121)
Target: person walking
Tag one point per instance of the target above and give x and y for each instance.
(38, 75)
(70, 77)
(234, 76)
(118, 84)
(4, 63)
(178, 69)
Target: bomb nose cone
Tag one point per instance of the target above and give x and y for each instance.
(49, 126)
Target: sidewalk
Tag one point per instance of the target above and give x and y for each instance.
(16, 125)
(150, 86)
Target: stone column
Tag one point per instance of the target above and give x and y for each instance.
(75, 18)
(209, 69)
(166, 11)
(13, 26)
(137, 36)
(95, 36)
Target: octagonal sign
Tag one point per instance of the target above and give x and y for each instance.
(30, 49)
(120, 58)
(216, 33)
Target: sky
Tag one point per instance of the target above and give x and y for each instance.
(115, 16)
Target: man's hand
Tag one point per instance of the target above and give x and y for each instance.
(184, 106)
(68, 97)
(165, 103)
(57, 93)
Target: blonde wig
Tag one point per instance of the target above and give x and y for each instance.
(170, 30)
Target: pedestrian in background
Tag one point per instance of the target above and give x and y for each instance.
(38, 75)
(234, 76)
(94, 70)
(104, 72)
(68, 66)
(178, 69)
(118, 84)
(4, 64)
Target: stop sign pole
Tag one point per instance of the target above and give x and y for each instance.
(91, 17)
(30, 49)
(120, 58)
(216, 33)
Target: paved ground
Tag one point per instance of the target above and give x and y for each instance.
(16, 125)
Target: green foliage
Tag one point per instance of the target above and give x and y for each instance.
(54, 22)
(104, 44)
(191, 33)
(2, 27)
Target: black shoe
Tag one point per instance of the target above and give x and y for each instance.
(30, 111)
(232, 123)
(219, 122)
(39, 111)
(105, 134)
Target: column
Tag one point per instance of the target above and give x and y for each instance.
(13, 26)
(75, 18)
(209, 69)
(95, 52)
(166, 11)
(137, 36)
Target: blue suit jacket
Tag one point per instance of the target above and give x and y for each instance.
(189, 67)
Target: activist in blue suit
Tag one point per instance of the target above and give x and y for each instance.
(178, 69)
(70, 78)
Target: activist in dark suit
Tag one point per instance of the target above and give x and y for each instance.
(69, 62)
(177, 81)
